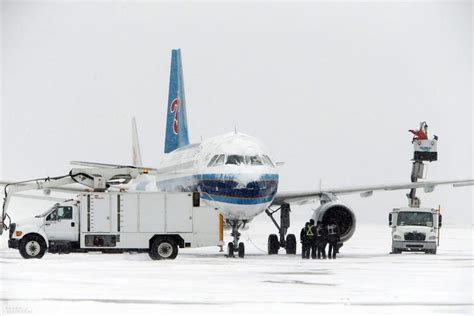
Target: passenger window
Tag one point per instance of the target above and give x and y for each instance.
(235, 160)
(65, 212)
(61, 212)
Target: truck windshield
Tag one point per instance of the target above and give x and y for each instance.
(415, 219)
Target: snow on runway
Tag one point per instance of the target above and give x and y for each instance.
(364, 280)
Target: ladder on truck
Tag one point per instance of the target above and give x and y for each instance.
(97, 179)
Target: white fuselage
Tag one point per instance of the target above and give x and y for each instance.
(232, 172)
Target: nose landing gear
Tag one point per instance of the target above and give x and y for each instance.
(236, 246)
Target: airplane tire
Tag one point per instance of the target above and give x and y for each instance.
(241, 250)
(163, 249)
(291, 244)
(273, 244)
(32, 247)
(230, 249)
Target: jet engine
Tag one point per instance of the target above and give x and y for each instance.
(341, 214)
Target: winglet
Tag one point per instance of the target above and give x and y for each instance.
(137, 154)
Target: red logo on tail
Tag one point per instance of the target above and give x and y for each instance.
(174, 108)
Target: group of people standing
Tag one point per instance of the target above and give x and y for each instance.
(315, 238)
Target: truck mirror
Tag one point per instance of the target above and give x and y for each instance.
(440, 222)
(390, 219)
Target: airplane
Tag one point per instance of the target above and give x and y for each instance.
(235, 173)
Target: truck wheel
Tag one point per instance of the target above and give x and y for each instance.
(32, 246)
(273, 244)
(396, 251)
(163, 248)
(291, 244)
(241, 250)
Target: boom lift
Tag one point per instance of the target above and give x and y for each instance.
(415, 228)
(97, 179)
(424, 150)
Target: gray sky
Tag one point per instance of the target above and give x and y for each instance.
(330, 88)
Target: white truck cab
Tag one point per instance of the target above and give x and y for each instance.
(155, 222)
(415, 229)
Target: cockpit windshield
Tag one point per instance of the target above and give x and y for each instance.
(235, 160)
(415, 219)
(254, 160)
(268, 161)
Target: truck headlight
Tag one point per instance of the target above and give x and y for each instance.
(397, 237)
(432, 237)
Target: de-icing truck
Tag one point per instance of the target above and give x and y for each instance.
(112, 221)
(415, 228)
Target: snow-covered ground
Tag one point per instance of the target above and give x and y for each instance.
(365, 279)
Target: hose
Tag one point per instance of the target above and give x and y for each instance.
(257, 247)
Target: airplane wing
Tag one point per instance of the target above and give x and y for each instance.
(305, 197)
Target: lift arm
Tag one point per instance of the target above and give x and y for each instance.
(98, 179)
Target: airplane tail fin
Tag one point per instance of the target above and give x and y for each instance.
(137, 154)
(176, 124)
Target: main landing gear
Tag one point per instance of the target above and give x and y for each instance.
(274, 243)
(236, 246)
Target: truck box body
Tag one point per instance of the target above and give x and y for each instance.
(157, 222)
(135, 217)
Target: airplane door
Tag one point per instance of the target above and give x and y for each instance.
(62, 224)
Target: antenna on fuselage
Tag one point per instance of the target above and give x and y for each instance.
(235, 128)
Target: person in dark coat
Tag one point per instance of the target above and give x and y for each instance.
(333, 239)
(317, 239)
(321, 233)
(313, 232)
(304, 242)
(305, 237)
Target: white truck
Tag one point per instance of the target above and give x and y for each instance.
(415, 229)
(153, 222)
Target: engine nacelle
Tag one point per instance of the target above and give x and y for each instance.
(341, 214)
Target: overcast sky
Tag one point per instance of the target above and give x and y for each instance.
(330, 88)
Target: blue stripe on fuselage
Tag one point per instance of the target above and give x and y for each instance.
(234, 200)
(226, 187)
